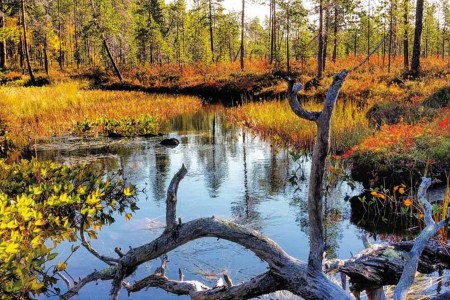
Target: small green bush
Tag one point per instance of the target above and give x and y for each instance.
(440, 99)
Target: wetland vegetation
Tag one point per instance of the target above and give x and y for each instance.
(89, 90)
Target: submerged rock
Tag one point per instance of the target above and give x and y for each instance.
(170, 143)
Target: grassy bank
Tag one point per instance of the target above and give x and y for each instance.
(39, 112)
(393, 128)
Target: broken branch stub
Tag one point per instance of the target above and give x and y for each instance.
(171, 201)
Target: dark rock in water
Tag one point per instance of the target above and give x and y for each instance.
(171, 143)
(114, 135)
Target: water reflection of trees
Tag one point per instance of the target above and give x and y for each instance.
(162, 167)
(244, 210)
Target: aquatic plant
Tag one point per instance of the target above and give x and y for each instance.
(143, 125)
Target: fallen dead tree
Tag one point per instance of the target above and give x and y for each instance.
(284, 271)
(383, 265)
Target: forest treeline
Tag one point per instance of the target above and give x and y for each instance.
(68, 34)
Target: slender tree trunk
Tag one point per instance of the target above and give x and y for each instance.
(355, 42)
(391, 17)
(111, 58)
(443, 44)
(415, 61)
(288, 58)
(105, 44)
(211, 33)
(242, 34)
(75, 28)
(271, 31)
(20, 50)
(325, 39)
(335, 31)
(45, 55)
(368, 32)
(405, 36)
(384, 46)
(2, 41)
(61, 62)
(25, 42)
(274, 30)
(320, 50)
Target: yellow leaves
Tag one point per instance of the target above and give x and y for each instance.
(65, 199)
(12, 248)
(35, 285)
(61, 266)
(94, 198)
(43, 213)
(401, 190)
(128, 216)
(92, 211)
(39, 222)
(128, 192)
(12, 224)
(81, 190)
(36, 241)
(66, 222)
(36, 190)
(92, 234)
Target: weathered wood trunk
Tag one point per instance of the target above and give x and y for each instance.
(319, 155)
(384, 266)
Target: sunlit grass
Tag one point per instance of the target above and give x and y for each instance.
(276, 120)
(38, 112)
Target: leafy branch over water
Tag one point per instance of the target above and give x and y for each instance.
(45, 201)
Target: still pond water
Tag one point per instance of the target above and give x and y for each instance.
(232, 174)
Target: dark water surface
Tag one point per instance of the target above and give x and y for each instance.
(232, 174)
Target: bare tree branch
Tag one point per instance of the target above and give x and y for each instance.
(108, 260)
(409, 271)
(171, 286)
(171, 202)
(296, 105)
(368, 56)
(105, 274)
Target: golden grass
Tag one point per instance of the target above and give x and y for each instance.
(276, 120)
(38, 112)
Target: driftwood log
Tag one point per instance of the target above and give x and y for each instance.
(284, 271)
(384, 265)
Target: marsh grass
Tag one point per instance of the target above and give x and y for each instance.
(40, 112)
(276, 120)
